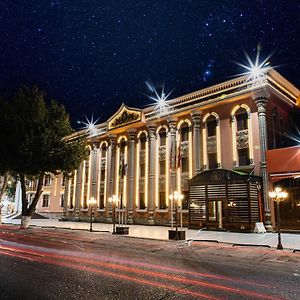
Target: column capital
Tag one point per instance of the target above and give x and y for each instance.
(132, 133)
(260, 97)
(112, 139)
(196, 114)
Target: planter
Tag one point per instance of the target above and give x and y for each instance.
(122, 230)
(173, 236)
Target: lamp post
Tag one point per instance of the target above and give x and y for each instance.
(114, 200)
(176, 196)
(91, 203)
(278, 196)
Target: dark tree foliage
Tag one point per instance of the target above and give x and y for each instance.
(33, 139)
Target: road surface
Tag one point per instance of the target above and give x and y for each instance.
(64, 264)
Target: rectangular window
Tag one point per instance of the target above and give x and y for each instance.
(64, 180)
(143, 143)
(185, 134)
(162, 167)
(162, 137)
(244, 157)
(101, 206)
(242, 121)
(185, 164)
(142, 201)
(142, 170)
(86, 172)
(162, 200)
(212, 161)
(46, 199)
(102, 175)
(211, 128)
(47, 181)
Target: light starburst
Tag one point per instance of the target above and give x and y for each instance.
(256, 70)
(162, 107)
(90, 126)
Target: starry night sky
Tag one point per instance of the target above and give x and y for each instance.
(93, 55)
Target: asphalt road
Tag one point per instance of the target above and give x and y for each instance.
(64, 264)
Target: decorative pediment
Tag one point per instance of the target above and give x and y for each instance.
(124, 116)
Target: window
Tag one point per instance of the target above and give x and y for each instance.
(211, 126)
(142, 170)
(62, 200)
(86, 178)
(244, 157)
(101, 206)
(85, 206)
(162, 137)
(162, 200)
(212, 161)
(47, 181)
(185, 133)
(185, 164)
(143, 142)
(46, 199)
(162, 167)
(102, 175)
(142, 201)
(103, 152)
(64, 180)
(242, 120)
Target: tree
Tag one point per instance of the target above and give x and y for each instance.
(33, 139)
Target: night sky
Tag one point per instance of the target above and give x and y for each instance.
(93, 55)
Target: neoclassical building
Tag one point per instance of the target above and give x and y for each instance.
(219, 135)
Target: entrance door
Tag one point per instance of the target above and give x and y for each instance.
(215, 214)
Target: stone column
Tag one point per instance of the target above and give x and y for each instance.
(197, 142)
(173, 129)
(261, 100)
(79, 187)
(94, 168)
(66, 196)
(131, 178)
(151, 178)
(111, 160)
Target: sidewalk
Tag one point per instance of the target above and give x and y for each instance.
(289, 241)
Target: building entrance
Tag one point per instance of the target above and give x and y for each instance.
(215, 213)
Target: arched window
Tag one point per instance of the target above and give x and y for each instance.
(102, 175)
(121, 184)
(86, 181)
(162, 165)
(212, 143)
(72, 185)
(142, 169)
(241, 134)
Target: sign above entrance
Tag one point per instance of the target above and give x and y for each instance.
(124, 116)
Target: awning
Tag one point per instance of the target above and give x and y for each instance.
(283, 163)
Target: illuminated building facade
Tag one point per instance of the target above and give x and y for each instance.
(143, 155)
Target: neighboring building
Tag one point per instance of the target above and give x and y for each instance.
(284, 171)
(52, 199)
(143, 155)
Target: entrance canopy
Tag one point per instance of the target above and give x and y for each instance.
(283, 163)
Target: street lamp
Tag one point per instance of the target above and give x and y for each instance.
(177, 197)
(278, 196)
(91, 203)
(113, 200)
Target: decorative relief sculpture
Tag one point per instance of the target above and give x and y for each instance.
(211, 144)
(162, 153)
(242, 139)
(184, 149)
(125, 118)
